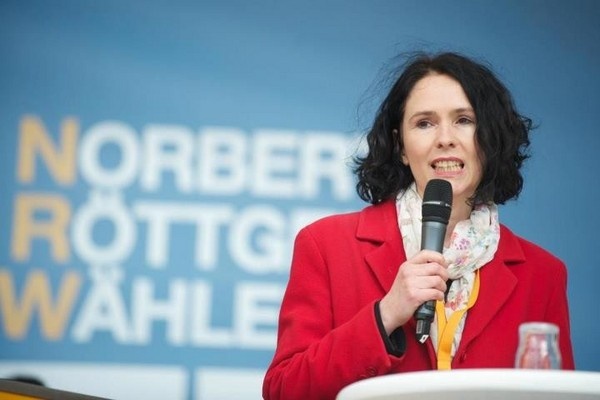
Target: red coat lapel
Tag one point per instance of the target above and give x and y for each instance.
(379, 225)
(497, 283)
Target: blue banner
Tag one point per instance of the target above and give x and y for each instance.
(158, 160)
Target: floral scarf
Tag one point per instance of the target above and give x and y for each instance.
(473, 244)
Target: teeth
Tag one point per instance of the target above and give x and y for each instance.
(448, 166)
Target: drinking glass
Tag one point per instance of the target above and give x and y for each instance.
(538, 346)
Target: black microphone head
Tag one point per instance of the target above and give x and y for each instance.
(437, 201)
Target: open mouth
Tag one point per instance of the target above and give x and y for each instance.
(448, 166)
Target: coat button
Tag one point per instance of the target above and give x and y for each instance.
(463, 357)
(372, 371)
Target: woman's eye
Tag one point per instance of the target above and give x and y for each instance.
(465, 120)
(423, 124)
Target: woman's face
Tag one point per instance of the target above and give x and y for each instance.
(438, 135)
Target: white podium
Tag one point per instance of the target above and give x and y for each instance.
(476, 384)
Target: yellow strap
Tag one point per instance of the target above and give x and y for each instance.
(447, 329)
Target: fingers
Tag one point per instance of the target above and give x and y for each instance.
(420, 279)
(406, 294)
(422, 287)
(410, 270)
(431, 282)
(428, 256)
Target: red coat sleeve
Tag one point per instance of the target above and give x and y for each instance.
(558, 313)
(315, 359)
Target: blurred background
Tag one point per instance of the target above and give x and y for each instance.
(157, 159)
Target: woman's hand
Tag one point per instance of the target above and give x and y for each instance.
(419, 279)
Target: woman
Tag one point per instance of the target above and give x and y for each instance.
(357, 279)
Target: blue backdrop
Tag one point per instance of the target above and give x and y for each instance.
(157, 160)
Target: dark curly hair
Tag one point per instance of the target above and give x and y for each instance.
(502, 134)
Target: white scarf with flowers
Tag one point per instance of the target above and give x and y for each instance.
(473, 244)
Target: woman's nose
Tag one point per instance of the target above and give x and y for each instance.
(446, 137)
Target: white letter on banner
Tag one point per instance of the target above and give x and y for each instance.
(207, 219)
(167, 148)
(158, 233)
(201, 332)
(222, 160)
(103, 309)
(106, 206)
(324, 155)
(257, 306)
(146, 310)
(263, 227)
(275, 162)
(90, 161)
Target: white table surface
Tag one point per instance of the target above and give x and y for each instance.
(472, 384)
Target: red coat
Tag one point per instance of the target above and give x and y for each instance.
(328, 335)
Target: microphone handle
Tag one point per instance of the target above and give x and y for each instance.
(424, 316)
(432, 238)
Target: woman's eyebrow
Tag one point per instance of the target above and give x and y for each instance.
(422, 114)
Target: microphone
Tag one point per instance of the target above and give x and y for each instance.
(437, 205)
